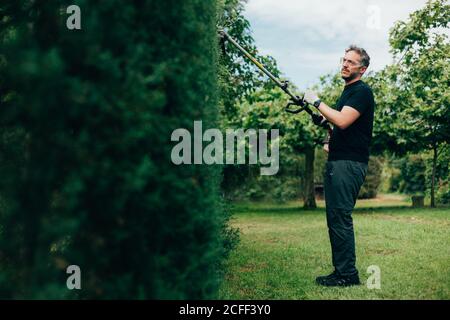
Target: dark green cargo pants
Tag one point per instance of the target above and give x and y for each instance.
(342, 181)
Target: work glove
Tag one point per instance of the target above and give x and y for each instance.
(310, 97)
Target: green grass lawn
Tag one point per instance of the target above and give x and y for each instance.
(283, 248)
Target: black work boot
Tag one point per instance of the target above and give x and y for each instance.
(341, 281)
(320, 280)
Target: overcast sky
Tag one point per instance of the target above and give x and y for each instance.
(307, 38)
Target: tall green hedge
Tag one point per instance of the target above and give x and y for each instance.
(93, 110)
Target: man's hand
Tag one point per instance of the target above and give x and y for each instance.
(310, 97)
(319, 121)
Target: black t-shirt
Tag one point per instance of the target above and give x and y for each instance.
(353, 142)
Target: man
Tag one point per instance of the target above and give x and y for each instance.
(348, 156)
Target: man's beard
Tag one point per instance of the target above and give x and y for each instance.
(350, 77)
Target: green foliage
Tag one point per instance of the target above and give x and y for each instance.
(443, 193)
(90, 114)
(330, 88)
(389, 133)
(413, 174)
(442, 174)
(241, 84)
(287, 189)
(255, 193)
(238, 78)
(280, 188)
(395, 179)
(412, 170)
(288, 186)
(296, 133)
(412, 95)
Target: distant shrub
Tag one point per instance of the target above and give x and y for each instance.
(413, 174)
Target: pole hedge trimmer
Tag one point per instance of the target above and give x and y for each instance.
(283, 85)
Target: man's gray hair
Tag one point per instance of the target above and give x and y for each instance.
(365, 59)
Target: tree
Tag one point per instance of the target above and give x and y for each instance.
(423, 75)
(238, 78)
(297, 134)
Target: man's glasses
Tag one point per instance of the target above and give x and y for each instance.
(350, 62)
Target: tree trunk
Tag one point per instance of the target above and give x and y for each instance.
(433, 175)
(309, 192)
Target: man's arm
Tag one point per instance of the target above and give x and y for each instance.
(342, 119)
